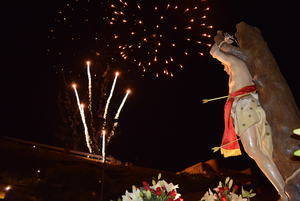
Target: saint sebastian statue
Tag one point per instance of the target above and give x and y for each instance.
(245, 119)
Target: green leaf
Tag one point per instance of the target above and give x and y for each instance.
(153, 182)
(245, 193)
(148, 195)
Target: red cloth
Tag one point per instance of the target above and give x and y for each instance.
(230, 136)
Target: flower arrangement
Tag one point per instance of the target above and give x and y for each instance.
(227, 192)
(160, 190)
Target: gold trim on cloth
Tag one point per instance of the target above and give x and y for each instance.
(230, 152)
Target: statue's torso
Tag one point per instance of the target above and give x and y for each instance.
(239, 77)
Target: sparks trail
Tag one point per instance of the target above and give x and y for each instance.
(107, 125)
(81, 110)
(88, 63)
(109, 98)
(116, 119)
(122, 104)
(103, 145)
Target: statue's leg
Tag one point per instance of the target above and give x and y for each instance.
(265, 163)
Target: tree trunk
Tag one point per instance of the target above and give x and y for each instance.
(278, 102)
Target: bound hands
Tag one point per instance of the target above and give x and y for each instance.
(226, 53)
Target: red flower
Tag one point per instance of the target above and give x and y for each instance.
(226, 188)
(179, 199)
(146, 186)
(170, 199)
(221, 189)
(172, 193)
(236, 187)
(223, 198)
(158, 191)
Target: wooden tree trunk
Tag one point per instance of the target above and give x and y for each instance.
(277, 100)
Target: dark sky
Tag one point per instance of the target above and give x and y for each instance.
(164, 124)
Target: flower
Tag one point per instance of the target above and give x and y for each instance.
(158, 191)
(146, 186)
(134, 196)
(225, 192)
(172, 193)
(223, 198)
(221, 189)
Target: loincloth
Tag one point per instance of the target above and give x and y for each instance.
(246, 112)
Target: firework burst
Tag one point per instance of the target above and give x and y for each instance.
(158, 36)
(154, 38)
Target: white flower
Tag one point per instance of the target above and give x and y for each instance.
(227, 180)
(157, 184)
(170, 187)
(126, 197)
(235, 197)
(208, 197)
(220, 184)
(177, 196)
(162, 183)
(230, 183)
(134, 196)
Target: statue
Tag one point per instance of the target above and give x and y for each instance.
(245, 118)
(257, 88)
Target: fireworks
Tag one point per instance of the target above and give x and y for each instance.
(103, 145)
(81, 110)
(86, 131)
(122, 104)
(89, 84)
(154, 38)
(110, 95)
(152, 33)
(106, 130)
(118, 114)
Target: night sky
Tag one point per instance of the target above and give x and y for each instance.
(164, 124)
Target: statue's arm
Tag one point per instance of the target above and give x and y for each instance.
(226, 59)
(229, 49)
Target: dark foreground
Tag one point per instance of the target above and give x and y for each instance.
(40, 174)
